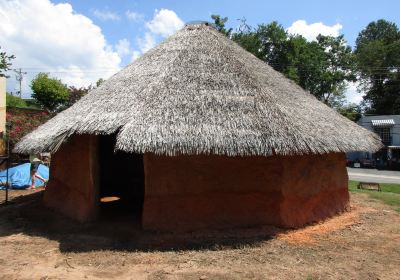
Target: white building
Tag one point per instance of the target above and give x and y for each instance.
(388, 128)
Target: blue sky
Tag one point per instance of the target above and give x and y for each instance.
(352, 15)
(81, 41)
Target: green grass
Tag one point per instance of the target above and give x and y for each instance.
(390, 193)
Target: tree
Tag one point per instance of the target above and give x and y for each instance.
(99, 82)
(220, 24)
(350, 111)
(378, 64)
(75, 94)
(322, 66)
(5, 62)
(247, 38)
(273, 45)
(50, 93)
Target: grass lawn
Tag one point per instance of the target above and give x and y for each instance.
(390, 193)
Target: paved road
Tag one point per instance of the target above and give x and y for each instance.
(373, 175)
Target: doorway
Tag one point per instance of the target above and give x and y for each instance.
(121, 183)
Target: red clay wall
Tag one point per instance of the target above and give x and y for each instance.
(72, 186)
(193, 192)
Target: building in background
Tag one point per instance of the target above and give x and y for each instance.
(388, 129)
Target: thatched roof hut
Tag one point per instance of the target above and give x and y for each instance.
(200, 96)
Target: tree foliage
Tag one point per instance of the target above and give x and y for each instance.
(220, 24)
(99, 82)
(75, 94)
(50, 93)
(378, 63)
(5, 62)
(322, 66)
(350, 111)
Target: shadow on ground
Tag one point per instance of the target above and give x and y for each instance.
(28, 215)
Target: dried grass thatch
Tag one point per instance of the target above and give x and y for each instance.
(200, 93)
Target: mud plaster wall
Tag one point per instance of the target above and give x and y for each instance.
(72, 188)
(193, 192)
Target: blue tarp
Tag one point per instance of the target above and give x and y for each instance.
(20, 176)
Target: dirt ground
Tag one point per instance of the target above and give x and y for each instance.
(36, 243)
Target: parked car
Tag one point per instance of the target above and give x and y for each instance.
(349, 162)
(367, 162)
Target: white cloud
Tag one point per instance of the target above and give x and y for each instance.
(352, 95)
(47, 37)
(311, 31)
(106, 15)
(147, 42)
(134, 16)
(135, 55)
(123, 47)
(165, 22)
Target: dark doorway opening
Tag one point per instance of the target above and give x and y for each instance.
(121, 182)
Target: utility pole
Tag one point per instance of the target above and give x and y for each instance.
(19, 77)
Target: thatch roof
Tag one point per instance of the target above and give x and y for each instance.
(200, 93)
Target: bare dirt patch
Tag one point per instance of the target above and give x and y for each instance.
(12, 193)
(37, 243)
(311, 232)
